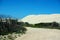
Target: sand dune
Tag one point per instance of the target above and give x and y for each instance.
(40, 34)
(33, 19)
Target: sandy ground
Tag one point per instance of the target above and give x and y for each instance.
(40, 34)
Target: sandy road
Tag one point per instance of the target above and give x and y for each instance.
(40, 34)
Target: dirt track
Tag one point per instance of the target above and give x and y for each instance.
(40, 34)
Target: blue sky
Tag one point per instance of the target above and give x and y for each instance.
(22, 8)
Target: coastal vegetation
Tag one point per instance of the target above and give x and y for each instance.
(52, 25)
(10, 26)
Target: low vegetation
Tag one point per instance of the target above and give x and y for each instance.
(10, 26)
(52, 25)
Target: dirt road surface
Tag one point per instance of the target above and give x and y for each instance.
(40, 34)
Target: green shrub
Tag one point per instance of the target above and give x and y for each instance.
(11, 26)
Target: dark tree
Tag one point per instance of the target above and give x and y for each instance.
(55, 24)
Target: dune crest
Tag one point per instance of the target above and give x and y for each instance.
(42, 18)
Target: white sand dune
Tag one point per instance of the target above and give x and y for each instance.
(40, 34)
(33, 19)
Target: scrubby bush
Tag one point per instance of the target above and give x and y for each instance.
(28, 25)
(52, 25)
(11, 25)
(9, 28)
